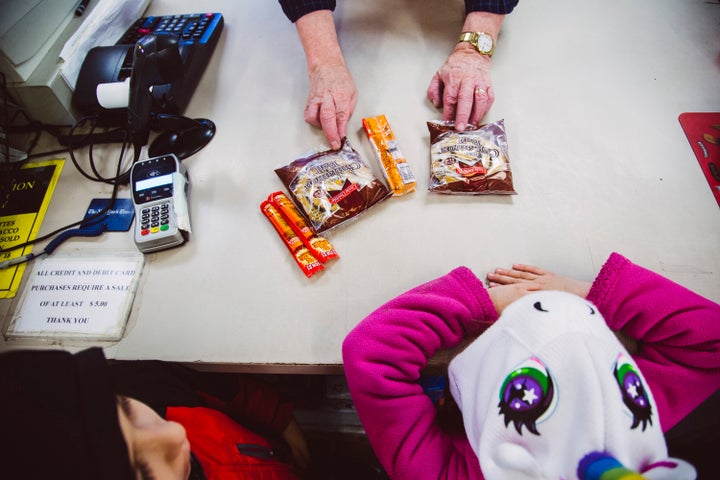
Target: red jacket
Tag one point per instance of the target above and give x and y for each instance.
(231, 421)
(225, 449)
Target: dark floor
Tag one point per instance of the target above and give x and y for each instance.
(337, 442)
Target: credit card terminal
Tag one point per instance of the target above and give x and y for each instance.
(160, 187)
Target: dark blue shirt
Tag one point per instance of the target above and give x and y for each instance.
(295, 9)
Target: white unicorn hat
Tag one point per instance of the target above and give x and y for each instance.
(548, 392)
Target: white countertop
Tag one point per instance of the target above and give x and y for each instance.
(590, 93)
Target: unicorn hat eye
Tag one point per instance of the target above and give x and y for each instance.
(526, 394)
(634, 394)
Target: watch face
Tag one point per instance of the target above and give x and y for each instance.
(485, 43)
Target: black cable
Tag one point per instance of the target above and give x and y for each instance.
(89, 220)
(48, 153)
(32, 126)
(61, 234)
(6, 122)
(120, 178)
(71, 150)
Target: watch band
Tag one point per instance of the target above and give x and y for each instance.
(483, 42)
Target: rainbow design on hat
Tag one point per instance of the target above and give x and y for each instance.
(602, 466)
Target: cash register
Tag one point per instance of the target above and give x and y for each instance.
(33, 33)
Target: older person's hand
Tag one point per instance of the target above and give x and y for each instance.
(463, 87)
(331, 101)
(332, 95)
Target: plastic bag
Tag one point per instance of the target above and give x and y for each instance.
(473, 162)
(332, 186)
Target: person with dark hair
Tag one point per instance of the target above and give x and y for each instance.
(77, 417)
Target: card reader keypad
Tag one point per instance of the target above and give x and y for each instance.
(155, 219)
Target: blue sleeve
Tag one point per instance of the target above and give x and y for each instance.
(493, 6)
(295, 9)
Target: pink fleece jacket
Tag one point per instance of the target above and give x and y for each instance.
(679, 332)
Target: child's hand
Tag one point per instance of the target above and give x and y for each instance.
(504, 295)
(521, 273)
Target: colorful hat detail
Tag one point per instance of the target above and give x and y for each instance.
(602, 466)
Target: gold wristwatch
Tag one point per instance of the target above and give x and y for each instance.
(482, 41)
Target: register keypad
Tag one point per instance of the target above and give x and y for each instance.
(191, 28)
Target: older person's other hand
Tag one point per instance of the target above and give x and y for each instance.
(463, 87)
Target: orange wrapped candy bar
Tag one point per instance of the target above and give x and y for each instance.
(288, 210)
(397, 171)
(319, 246)
(305, 260)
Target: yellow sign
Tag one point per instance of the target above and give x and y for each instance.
(25, 195)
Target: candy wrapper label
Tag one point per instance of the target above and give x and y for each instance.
(473, 162)
(318, 245)
(396, 169)
(332, 186)
(305, 260)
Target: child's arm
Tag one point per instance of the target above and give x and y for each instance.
(383, 358)
(677, 331)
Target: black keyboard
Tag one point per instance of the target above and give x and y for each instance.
(195, 28)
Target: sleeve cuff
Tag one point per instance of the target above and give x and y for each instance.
(606, 280)
(500, 7)
(475, 288)
(295, 9)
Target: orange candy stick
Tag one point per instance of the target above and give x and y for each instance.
(305, 260)
(318, 245)
(397, 171)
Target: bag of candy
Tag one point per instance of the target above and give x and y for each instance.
(472, 162)
(332, 186)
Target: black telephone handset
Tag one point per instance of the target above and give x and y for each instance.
(156, 60)
(197, 36)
